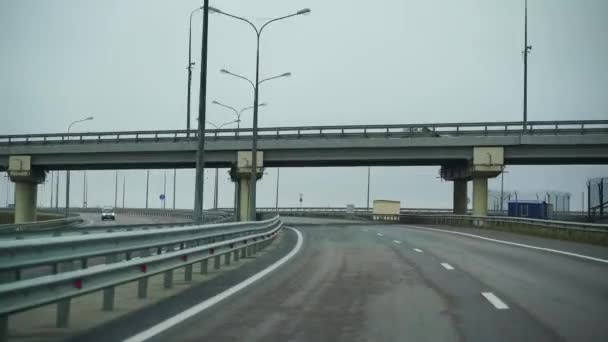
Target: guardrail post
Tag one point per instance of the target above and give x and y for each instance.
(63, 306)
(3, 328)
(204, 266)
(227, 258)
(216, 263)
(108, 293)
(236, 255)
(243, 252)
(142, 284)
(168, 283)
(188, 273)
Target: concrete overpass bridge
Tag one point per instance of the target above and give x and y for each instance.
(464, 151)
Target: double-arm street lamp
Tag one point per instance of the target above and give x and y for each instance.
(238, 113)
(67, 174)
(252, 189)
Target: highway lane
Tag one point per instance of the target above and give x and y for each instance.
(367, 282)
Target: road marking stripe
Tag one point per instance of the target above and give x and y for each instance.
(447, 266)
(498, 304)
(206, 304)
(396, 241)
(379, 234)
(418, 250)
(514, 244)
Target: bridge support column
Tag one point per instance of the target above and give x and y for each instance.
(241, 175)
(26, 187)
(460, 196)
(480, 196)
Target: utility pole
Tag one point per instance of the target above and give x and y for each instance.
(527, 49)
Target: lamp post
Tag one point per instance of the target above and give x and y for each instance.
(527, 49)
(368, 181)
(67, 173)
(52, 183)
(199, 181)
(276, 200)
(215, 191)
(190, 65)
(238, 113)
(252, 189)
(147, 186)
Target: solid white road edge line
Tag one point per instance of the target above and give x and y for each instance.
(206, 304)
(498, 304)
(396, 241)
(514, 244)
(418, 250)
(447, 266)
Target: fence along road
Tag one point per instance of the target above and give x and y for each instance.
(146, 253)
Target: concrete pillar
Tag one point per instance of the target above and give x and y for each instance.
(25, 201)
(460, 197)
(26, 181)
(243, 198)
(480, 196)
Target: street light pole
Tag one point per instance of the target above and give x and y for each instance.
(174, 181)
(165, 190)
(202, 106)
(190, 65)
(67, 173)
(52, 183)
(147, 186)
(253, 176)
(276, 200)
(84, 189)
(238, 113)
(124, 181)
(57, 190)
(527, 49)
(116, 190)
(368, 181)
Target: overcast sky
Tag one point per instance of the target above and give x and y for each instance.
(353, 62)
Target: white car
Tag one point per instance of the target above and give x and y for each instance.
(107, 213)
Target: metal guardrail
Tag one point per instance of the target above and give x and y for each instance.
(39, 225)
(506, 221)
(396, 131)
(147, 253)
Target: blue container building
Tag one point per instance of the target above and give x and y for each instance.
(531, 209)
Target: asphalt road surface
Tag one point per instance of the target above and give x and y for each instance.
(367, 282)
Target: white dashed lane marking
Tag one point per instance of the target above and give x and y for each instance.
(498, 304)
(447, 266)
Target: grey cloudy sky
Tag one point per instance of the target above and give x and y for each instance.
(353, 62)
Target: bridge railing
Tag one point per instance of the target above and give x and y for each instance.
(400, 130)
(83, 264)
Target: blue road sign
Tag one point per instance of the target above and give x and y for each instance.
(162, 197)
